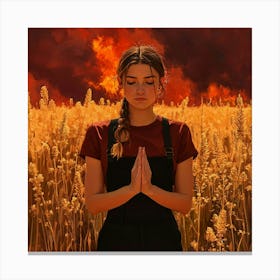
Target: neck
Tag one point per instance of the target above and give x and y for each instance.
(141, 117)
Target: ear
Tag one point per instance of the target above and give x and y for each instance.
(160, 92)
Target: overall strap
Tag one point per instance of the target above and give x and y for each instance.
(111, 139)
(167, 139)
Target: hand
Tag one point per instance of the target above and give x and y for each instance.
(135, 185)
(146, 174)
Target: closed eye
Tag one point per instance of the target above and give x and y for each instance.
(130, 82)
(149, 81)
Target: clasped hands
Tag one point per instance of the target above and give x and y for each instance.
(141, 174)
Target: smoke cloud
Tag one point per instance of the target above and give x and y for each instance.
(201, 62)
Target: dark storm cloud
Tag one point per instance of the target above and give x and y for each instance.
(59, 56)
(221, 55)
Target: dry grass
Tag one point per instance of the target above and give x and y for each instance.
(220, 219)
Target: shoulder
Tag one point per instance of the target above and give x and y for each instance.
(179, 131)
(98, 129)
(182, 141)
(177, 128)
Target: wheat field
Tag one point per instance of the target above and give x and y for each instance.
(221, 215)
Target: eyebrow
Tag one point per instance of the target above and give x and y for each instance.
(146, 77)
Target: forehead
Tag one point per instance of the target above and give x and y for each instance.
(141, 70)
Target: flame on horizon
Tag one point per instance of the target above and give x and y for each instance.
(108, 62)
(91, 57)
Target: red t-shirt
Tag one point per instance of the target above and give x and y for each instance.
(148, 136)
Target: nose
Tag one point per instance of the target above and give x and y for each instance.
(140, 89)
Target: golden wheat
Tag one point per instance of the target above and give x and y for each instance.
(220, 218)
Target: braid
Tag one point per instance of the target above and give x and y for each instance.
(135, 55)
(121, 134)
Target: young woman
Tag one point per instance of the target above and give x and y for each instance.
(139, 166)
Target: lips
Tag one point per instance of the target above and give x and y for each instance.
(140, 99)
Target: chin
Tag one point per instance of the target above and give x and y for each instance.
(141, 106)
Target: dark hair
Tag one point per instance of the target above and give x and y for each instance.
(135, 55)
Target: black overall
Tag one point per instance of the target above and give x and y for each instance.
(140, 224)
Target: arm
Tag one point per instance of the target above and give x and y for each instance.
(179, 200)
(96, 199)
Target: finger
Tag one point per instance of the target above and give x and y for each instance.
(144, 157)
(144, 162)
(146, 165)
(138, 173)
(139, 153)
(141, 158)
(139, 167)
(138, 157)
(136, 163)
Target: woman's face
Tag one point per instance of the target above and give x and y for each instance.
(140, 85)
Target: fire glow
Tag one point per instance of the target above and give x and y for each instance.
(69, 61)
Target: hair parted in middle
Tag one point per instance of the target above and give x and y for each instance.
(144, 54)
